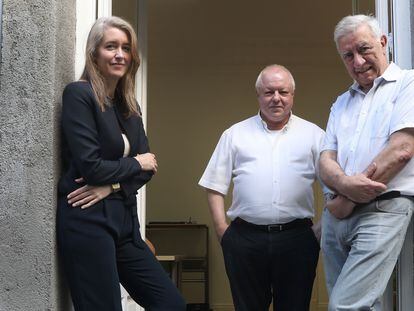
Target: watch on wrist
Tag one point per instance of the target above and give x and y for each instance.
(116, 187)
(329, 196)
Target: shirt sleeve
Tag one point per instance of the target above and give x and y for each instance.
(319, 142)
(330, 141)
(403, 112)
(218, 173)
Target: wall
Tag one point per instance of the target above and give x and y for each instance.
(203, 60)
(126, 9)
(37, 60)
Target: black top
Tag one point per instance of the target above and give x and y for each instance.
(92, 145)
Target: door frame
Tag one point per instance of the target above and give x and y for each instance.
(400, 50)
(399, 44)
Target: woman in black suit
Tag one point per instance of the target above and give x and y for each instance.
(106, 159)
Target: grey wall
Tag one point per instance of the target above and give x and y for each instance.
(37, 61)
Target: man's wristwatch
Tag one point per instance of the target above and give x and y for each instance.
(329, 196)
(116, 187)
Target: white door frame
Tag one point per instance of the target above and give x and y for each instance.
(142, 93)
(85, 17)
(401, 23)
(400, 47)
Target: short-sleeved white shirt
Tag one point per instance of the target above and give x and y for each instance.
(272, 171)
(360, 124)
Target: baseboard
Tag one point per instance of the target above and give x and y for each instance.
(222, 307)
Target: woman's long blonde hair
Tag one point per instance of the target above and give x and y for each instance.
(125, 89)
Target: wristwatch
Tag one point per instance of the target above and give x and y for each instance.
(329, 196)
(116, 187)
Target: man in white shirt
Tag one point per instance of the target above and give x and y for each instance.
(370, 126)
(270, 249)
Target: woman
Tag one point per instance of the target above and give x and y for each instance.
(106, 160)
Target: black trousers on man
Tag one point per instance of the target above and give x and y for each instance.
(263, 265)
(100, 249)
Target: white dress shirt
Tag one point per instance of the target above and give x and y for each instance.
(360, 124)
(272, 171)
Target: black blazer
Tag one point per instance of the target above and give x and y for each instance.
(92, 146)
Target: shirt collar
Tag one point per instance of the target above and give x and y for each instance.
(282, 130)
(392, 73)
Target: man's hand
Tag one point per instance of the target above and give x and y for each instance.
(317, 230)
(220, 230)
(87, 195)
(359, 188)
(216, 204)
(340, 207)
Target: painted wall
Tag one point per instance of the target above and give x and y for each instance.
(204, 57)
(37, 61)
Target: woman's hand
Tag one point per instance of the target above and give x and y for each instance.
(87, 195)
(147, 161)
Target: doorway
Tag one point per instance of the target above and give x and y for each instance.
(203, 58)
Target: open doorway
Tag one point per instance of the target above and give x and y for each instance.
(203, 60)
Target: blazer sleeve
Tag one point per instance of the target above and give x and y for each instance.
(132, 185)
(80, 130)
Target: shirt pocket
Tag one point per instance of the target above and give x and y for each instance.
(380, 126)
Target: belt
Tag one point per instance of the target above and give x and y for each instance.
(391, 195)
(297, 223)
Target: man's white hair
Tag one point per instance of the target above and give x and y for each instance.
(350, 23)
(259, 81)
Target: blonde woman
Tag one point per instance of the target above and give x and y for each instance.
(106, 159)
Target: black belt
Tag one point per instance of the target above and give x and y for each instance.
(392, 195)
(297, 223)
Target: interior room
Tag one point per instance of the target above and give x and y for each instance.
(203, 61)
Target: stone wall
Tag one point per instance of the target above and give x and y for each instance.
(38, 46)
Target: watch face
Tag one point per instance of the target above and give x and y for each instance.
(329, 196)
(116, 187)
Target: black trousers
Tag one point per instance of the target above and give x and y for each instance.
(262, 266)
(98, 253)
